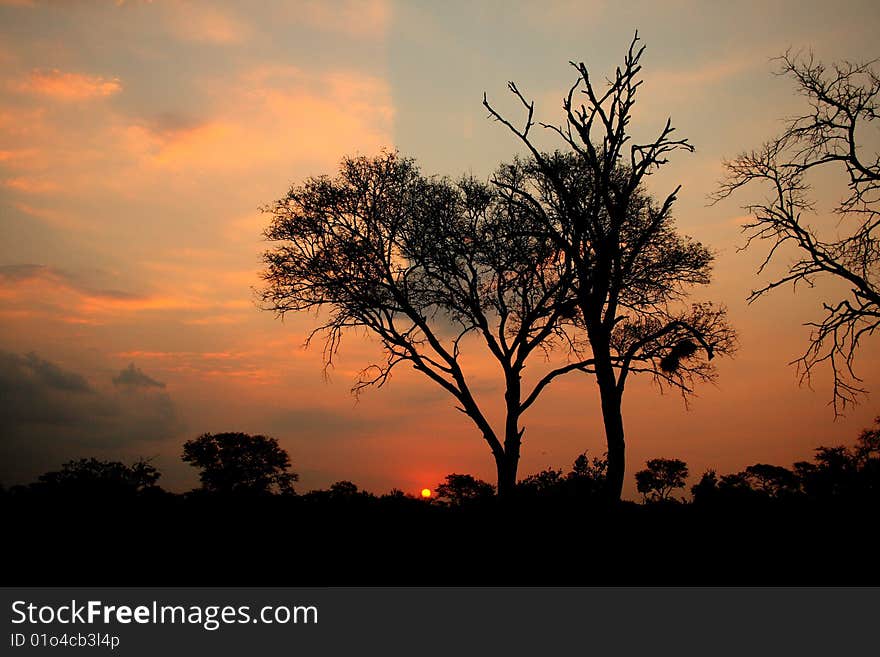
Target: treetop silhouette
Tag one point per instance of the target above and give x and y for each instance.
(239, 463)
(660, 478)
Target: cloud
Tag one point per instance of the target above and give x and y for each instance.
(703, 74)
(68, 293)
(49, 414)
(69, 86)
(134, 377)
(322, 422)
(206, 24)
(271, 116)
(58, 218)
(169, 125)
(34, 372)
(368, 19)
(16, 273)
(27, 272)
(28, 185)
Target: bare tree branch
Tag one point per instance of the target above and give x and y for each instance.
(843, 102)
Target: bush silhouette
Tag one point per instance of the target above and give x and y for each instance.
(92, 477)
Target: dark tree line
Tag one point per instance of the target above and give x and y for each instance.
(585, 480)
(95, 478)
(840, 473)
(837, 473)
(255, 467)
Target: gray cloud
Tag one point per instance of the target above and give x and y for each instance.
(49, 414)
(10, 274)
(134, 377)
(169, 124)
(317, 421)
(33, 390)
(41, 372)
(16, 273)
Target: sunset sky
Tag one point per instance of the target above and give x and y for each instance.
(138, 141)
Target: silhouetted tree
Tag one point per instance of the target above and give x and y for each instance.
(773, 480)
(705, 490)
(831, 475)
(545, 482)
(587, 476)
(850, 474)
(240, 463)
(867, 448)
(101, 478)
(660, 478)
(844, 472)
(458, 489)
(585, 468)
(630, 264)
(832, 134)
(345, 490)
(422, 264)
(732, 490)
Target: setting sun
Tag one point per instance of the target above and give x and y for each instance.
(426, 493)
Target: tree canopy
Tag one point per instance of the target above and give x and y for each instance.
(660, 478)
(458, 489)
(424, 264)
(239, 463)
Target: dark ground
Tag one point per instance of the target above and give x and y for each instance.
(173, 540)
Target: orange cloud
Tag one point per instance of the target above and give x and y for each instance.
(25, 123)
(226, 365)
(69, 86)
(50, 216)
(705, 74)
(64, 291)
(29, 185)
(365, 19)
(179, 355)
(17, 157)
(273, 116)
(205, 24)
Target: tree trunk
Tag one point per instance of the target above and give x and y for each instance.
(614, 435)
(506, 467)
